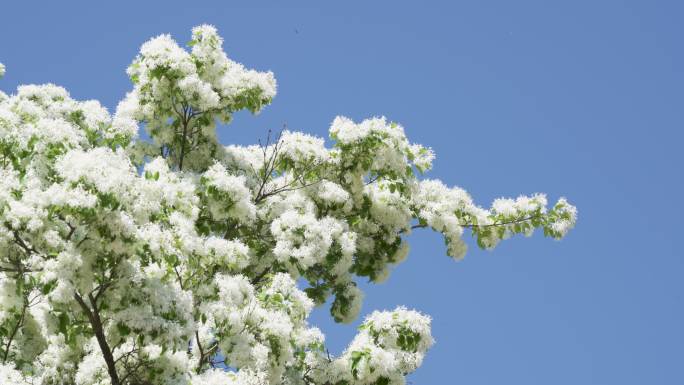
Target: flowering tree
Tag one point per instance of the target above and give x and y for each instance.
(177, 260)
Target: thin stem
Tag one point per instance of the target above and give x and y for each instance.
(472, 226)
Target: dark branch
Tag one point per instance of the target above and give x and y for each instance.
(186, 122)
(19, 323)
(201, 351)
(17, 239)
(98, 329)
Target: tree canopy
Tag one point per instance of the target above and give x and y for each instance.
(174, 259)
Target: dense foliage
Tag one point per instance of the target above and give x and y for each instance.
(177, 260)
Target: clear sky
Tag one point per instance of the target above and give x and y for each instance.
(577, 98)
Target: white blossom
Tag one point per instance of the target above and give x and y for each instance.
(160, 258)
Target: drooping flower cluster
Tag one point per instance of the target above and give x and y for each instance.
(175, 260)
(389, 345)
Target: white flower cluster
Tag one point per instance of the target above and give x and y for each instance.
(11, 376)
(45, 120)
(562, 219)
(101, 169)
(129, 261)
(222, 377)
(384, 145)
(227, 195)
(305, 240)
(302, 149)
(2, 70)
(193, 89)
(390, 345)
(438, 205)
(259, 329)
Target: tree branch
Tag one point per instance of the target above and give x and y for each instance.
(17, 239)
(472, 226)
(201, 351)
(185, 121)
(14, 331)
(96, 324)
(18, 270)
(260, 276)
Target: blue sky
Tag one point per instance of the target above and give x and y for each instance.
(582, 99)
